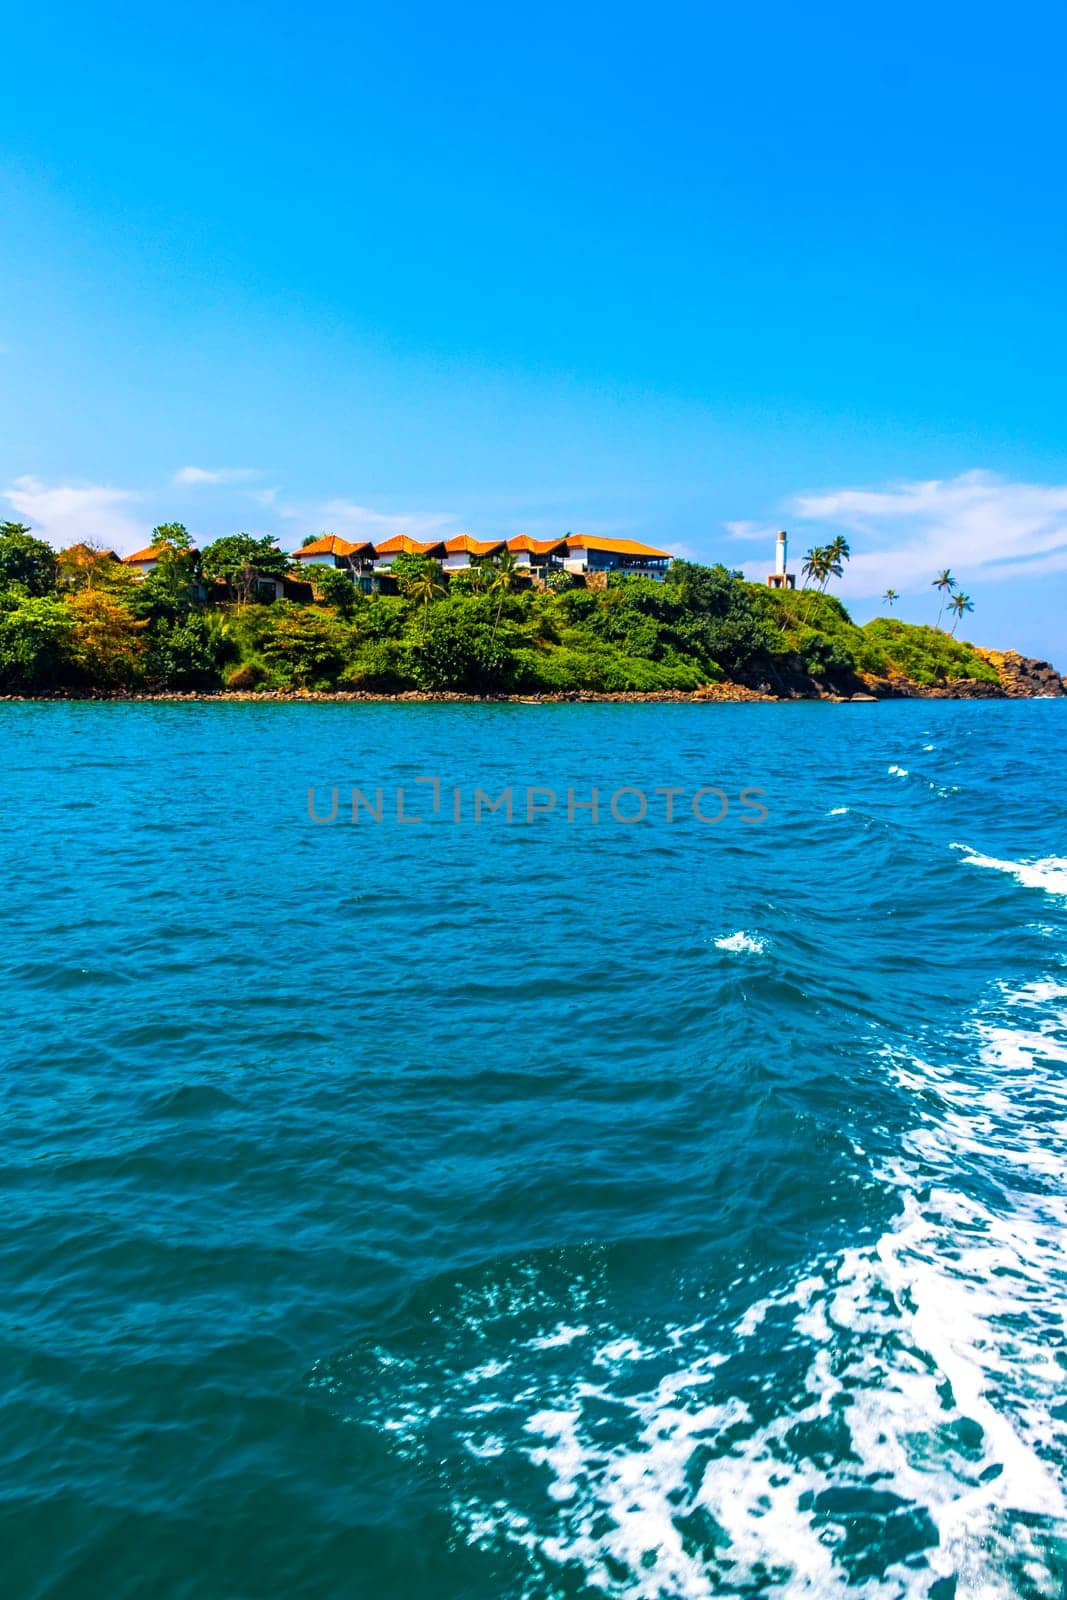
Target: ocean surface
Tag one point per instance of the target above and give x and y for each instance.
(510, 1210)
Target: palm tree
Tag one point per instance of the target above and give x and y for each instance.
(946, 583)
(959, 604)
(424, 586)
(814, 565)
(837, 551)
(890, 597)
(503, 582)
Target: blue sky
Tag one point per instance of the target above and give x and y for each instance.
(686, 273)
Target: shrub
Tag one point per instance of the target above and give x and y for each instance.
(107, 644)
(927, 655)
(35, 636)
(249, 675)
(186, 654)
(379, 666)
(304, 649)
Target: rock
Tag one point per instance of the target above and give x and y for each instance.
(1023, 677)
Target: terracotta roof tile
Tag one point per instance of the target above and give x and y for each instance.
(616, 547)
(331, 544)
(536, 547)
(402, 543)
(465, 543)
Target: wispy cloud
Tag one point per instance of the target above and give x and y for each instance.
(356, 521)
(64, 514)
(752, 532)
(216, 475)
(978, 524)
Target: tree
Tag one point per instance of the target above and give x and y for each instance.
(107, 643)
(815, 568)
(815, 564)
(239, 560)
(175, 535)
(891, 597)
(186, 653)
(35, 635)
(419, 580)
(172, 589)
(960, 603)
(837, 553)
(503, 582)
(334, 585)
(303, 646)
(460, 651)
(945, 583)
(89, 566)
(25, 560)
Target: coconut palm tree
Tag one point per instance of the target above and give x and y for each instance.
(959, 604)
(814, 565)
(815, 569)
(424, 586)
(945, 582)
(503, 582)
(891, 597)
(838, 551)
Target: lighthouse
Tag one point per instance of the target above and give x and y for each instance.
(780, 578)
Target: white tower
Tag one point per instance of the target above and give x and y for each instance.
(780, 578)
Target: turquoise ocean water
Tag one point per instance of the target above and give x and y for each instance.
(533, 1209)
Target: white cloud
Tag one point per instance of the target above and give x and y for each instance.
(217, 475)
(764, 532)
(354, 522)
(978, 524)
(66, 514)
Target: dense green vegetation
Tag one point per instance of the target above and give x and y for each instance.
(818, 630)
(82, 622)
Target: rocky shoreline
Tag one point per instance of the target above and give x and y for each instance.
(1021, 678)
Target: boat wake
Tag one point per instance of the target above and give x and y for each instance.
(890, 1423)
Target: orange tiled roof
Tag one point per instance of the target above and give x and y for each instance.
(154, 551)
(331, 544)
(402, 543)
(536, 547)
(615, 547)
(464, 543)
(81, 554)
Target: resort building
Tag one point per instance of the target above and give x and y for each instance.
(539, 556)
(333, 551)
(80, 565)
(587, 553)
(464, 551)
(386, 553)
(577, 553)
(145, 561)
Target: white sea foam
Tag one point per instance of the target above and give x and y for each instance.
(950, 1322)
(897, 772)
(838, 811)
(928, 1379)
(1048, 873)
(742, 943)
(559, 1336)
